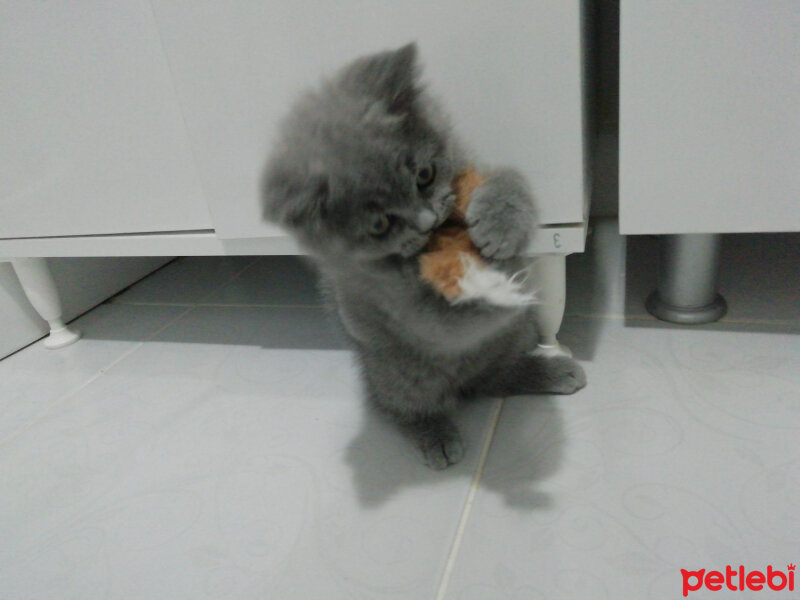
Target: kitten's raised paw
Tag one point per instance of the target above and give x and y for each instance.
(563, 376)
(500, 216)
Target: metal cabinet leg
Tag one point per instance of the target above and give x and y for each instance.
(687, 275)
(551, 274)
(39, 287)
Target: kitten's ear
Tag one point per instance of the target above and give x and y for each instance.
(292, 201)
(387, 76)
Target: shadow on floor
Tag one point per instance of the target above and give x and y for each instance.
(384, 463)
(527, 449)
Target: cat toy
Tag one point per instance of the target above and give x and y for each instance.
(452, 264)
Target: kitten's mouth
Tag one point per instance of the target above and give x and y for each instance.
(414, 248)
(440, 211)
(445, 209)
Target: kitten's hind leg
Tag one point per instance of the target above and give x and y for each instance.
(415, 393)
(436, 439)
(534, 375)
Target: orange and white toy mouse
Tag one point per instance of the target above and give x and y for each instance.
(453, 265)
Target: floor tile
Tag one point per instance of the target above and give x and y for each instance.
(228, 458)
(682, 452)
(186, 280)
(33, 379)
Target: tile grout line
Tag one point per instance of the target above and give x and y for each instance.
(102, 371)
(189, 306)
(231, 279)
(119, 298)
(217, 304)
(470, 501)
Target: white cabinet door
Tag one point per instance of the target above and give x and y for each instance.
(509, 72)
(709, 116)
(91, 136)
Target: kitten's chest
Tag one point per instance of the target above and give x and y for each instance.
(391, 306)
(402, 309)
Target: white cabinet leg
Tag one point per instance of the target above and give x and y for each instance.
(36, 280)
(551, 275)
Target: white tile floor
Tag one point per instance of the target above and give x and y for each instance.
(206, 440)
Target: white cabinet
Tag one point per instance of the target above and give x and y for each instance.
(157, 117)
(709, 135)
(141, 128)
(509, 72)
(709, 116)
(91, 135)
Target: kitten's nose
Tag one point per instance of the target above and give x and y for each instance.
(426, 219)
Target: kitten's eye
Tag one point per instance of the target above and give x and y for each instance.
(380, 225)
(425, 176)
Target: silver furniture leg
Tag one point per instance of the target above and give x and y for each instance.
(687, 275)
(39, 287)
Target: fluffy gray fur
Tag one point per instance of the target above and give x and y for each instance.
(361, 176)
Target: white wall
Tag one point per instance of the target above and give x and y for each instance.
(82, 284)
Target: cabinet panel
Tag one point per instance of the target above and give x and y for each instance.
(93, 141)
(709, 116)
(509, 72)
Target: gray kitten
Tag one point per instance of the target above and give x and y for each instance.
(361, 176)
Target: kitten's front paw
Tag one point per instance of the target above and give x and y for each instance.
(563, 375)
(500, 217)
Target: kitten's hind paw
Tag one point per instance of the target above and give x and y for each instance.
(438, 442)
(562, 375)
(440, 454)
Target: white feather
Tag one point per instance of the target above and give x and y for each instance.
(481, 282)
